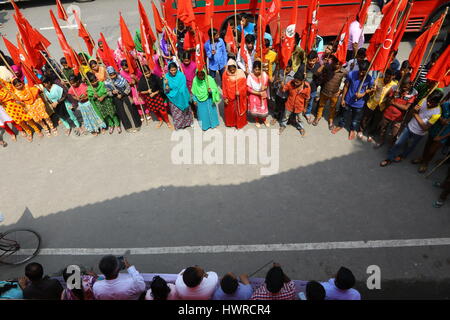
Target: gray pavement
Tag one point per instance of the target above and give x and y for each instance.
(123, 191)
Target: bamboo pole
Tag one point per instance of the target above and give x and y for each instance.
(431, 48)
(235, 24)
(7, 64)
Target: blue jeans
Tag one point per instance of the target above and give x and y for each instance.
(403, 140)
(298, 120)
(310, 103)
(356, 114)
(212, 73)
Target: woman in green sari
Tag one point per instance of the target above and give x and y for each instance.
(102, 103)
(206, 95)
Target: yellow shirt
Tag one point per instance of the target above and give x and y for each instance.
(381, 90)
(270, 58)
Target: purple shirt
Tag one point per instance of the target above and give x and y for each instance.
(356, 34)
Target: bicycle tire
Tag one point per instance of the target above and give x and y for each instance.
(29, 256)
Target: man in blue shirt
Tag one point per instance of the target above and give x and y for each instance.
(217, 53)
(249, 27)
(232, 289)
(353, 102)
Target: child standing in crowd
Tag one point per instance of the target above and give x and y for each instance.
(206, 95)
(257, 85)
(132, 79)
(249, 52)
(216, 51)
(98, 70)
(189, 67)
(299, 93)
(281, 79)
(234, 87)
(79, 92)
(34, 106)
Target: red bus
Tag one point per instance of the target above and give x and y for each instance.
(332, 13)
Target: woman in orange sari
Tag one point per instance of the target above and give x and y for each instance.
(15, 109)
(234, 86)
(34, 106)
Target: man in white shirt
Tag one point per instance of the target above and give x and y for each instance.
(118, 286)
(250, 52)
(340, 288)
(355, 38)
(353, 64)
(194, 283)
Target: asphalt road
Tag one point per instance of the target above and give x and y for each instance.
(124, 191)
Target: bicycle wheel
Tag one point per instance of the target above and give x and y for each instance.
(18, 246)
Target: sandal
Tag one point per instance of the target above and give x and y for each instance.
(267, 123)
(315, 122)
(48, 133)
(258, 125)
(111, 130)
(423, 168)
(437, 184)
(385, 163)
(159, 124)
(416, 161)
(29, 138)
(302, 132)
(398, 159)
(438, 204)
(23, 134)
(67, 132)
(119, 130)
(55, 132)
(14, 138)
(40, 134)
(3, 144)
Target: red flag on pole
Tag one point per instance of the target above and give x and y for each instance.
(401, 29)
(310, 31)
(107, 56)
(128, 43)
(273, 11)
(209, 14)
(341, 51)
(83, 33)
(185, 12)
(159, 25)
(62, 14)
(229, 40)
(147, 45)
(289, 38)
(146, 22)
(35, 61)
(13, 51)
(19, 14)
(363, 11)
(27, 66)
(67, 50)
(440, 70)
(261, 26)
(417, 53)
(199, 51)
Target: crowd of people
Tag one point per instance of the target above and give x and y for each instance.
(383, 108)
(192, 283)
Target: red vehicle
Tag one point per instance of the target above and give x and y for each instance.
(332, 13)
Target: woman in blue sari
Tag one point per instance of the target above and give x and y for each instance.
(178, 94)
(206, 95)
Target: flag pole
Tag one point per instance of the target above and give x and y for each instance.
(431, 48)
(7, 64)
(235, 23)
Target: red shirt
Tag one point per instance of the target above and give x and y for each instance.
(297, 97)
(393, 113)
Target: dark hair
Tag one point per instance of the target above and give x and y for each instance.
(299, 76)
(34, 271)
(274, 279)
(92, 62)
(389, 72)
(266, 42)
(436, 96)
(47, 79)
(314, 291)
(160, 289)
(145, 68)
(257, 64)
(289, 63)
(229, 284)
(363, 65)
(249, 38)
(405, 65)
(109, 266)
(63, 60)
(172, 65)
(124, 63)
(91, 77)
(185, 55)
(16, 81)
(245, 16)
(344, 279)
(212, 32)
(79, 293)
(191, 277)
(361, 52)
(312, 55)
(75, 78)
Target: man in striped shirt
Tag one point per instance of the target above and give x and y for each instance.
(276, 287)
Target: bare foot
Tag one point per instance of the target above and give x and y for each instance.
(14, 138)
(159, 124)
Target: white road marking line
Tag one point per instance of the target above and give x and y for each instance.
(73, 26)
(372, 244)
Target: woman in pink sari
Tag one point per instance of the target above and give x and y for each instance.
(189, 68)
(257, 84)
(133, 79)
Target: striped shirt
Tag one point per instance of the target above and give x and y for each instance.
(286, 293)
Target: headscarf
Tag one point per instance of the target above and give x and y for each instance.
(238, 74)
(178, 94)
(200, 89)
(119, 83)
(18, 72)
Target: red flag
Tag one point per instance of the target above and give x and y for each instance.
(146, 22)
(209, 14)
(147, 46)
(127, 39)
(417, 53)
(253, 6)
(384, 36)
(62, 14)
(261, 30)
(341, 51)
(229, 39)
(35, 60)
(440, 71)
(273, 11)
(199, 51)
(107, 56)
(19, 14)
(83, 33)
(27, 67)
(185, 12)
(189, 41)
(13, 51)
(276, 39)
(289, 38)
(363, 11)
(67, 50)
(159, 25)
(172, 39)
(310, 31)
(401, 29)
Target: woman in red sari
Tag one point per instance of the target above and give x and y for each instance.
(234, 86)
